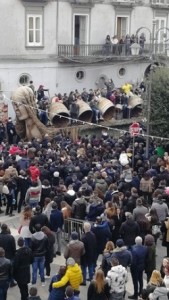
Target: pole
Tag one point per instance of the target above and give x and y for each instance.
(133, 153)
(149, 91)
(153, 39)
(148, 113)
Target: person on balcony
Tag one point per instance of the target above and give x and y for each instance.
(142, 40)
(107, 45)
(122, 46)
(115, 42)
(128, 44)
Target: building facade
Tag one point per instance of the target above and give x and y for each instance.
(61, 44)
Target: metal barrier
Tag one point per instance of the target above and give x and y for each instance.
(72, 225)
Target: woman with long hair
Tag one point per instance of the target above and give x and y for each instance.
(66, 209)
(155, 223)
(156, 287)
(98, 288)
(24, 225)
(165, 263)
(114, 217)
(107, 257)
(150, 263)
(155, 281)
(50, 253)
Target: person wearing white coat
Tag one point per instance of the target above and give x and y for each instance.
(117, 279)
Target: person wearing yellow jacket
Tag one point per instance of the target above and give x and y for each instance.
(73, 275)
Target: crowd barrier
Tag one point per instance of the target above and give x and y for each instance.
(70, 225)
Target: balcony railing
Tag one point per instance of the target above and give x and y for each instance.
(160, 2)
(100, 51)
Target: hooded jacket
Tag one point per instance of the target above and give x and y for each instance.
(128, 231)
(73, 275)
(39, 244)
(123, 255)
(159, 293)
(117, 279)
(75, 249)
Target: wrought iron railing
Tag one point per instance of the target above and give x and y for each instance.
(68, 51)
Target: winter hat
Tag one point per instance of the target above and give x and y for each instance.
(74, 235)
(119, 243)
(70, 261)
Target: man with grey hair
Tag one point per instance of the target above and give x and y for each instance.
(89, 258)
(139, 255)
(5, 274)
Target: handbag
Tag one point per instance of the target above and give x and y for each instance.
(156, 230)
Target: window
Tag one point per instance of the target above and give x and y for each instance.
(161, 35)
(80, 75)
(34, 30)
(122, 72)
(24, 79)
(160, 30)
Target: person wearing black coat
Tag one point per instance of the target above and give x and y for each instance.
(50, 253)
(5, 274)
(21, 268)
(38, 218)
(7, 242)
(46, 189)
(23, 183)
(88, 260)
(10, 131)
(129, 230)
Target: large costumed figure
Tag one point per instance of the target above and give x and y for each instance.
(28, 126)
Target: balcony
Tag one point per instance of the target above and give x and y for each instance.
(123, 2)
(160, 3)
(102, 53)
(36, 1)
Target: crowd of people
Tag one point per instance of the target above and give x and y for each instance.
(118, 96)
(123, 45)
(119, 195)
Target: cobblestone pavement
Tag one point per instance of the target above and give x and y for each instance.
(13, 293)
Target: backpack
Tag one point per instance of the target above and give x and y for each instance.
(108, 265)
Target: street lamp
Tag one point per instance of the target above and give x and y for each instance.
(153, 39)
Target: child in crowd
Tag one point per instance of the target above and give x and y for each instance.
(59, 292)
(33, 294)
(69, 293)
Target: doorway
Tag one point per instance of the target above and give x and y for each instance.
(81, 34)
(121, 27)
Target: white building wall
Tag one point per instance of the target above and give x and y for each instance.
(102, 23)
(58, 29)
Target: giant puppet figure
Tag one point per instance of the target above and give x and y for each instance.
(28, 126)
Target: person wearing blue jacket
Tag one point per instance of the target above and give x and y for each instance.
(102, 233)
(58, 293)
(139, 255)
(70, 294)
(56, 223)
